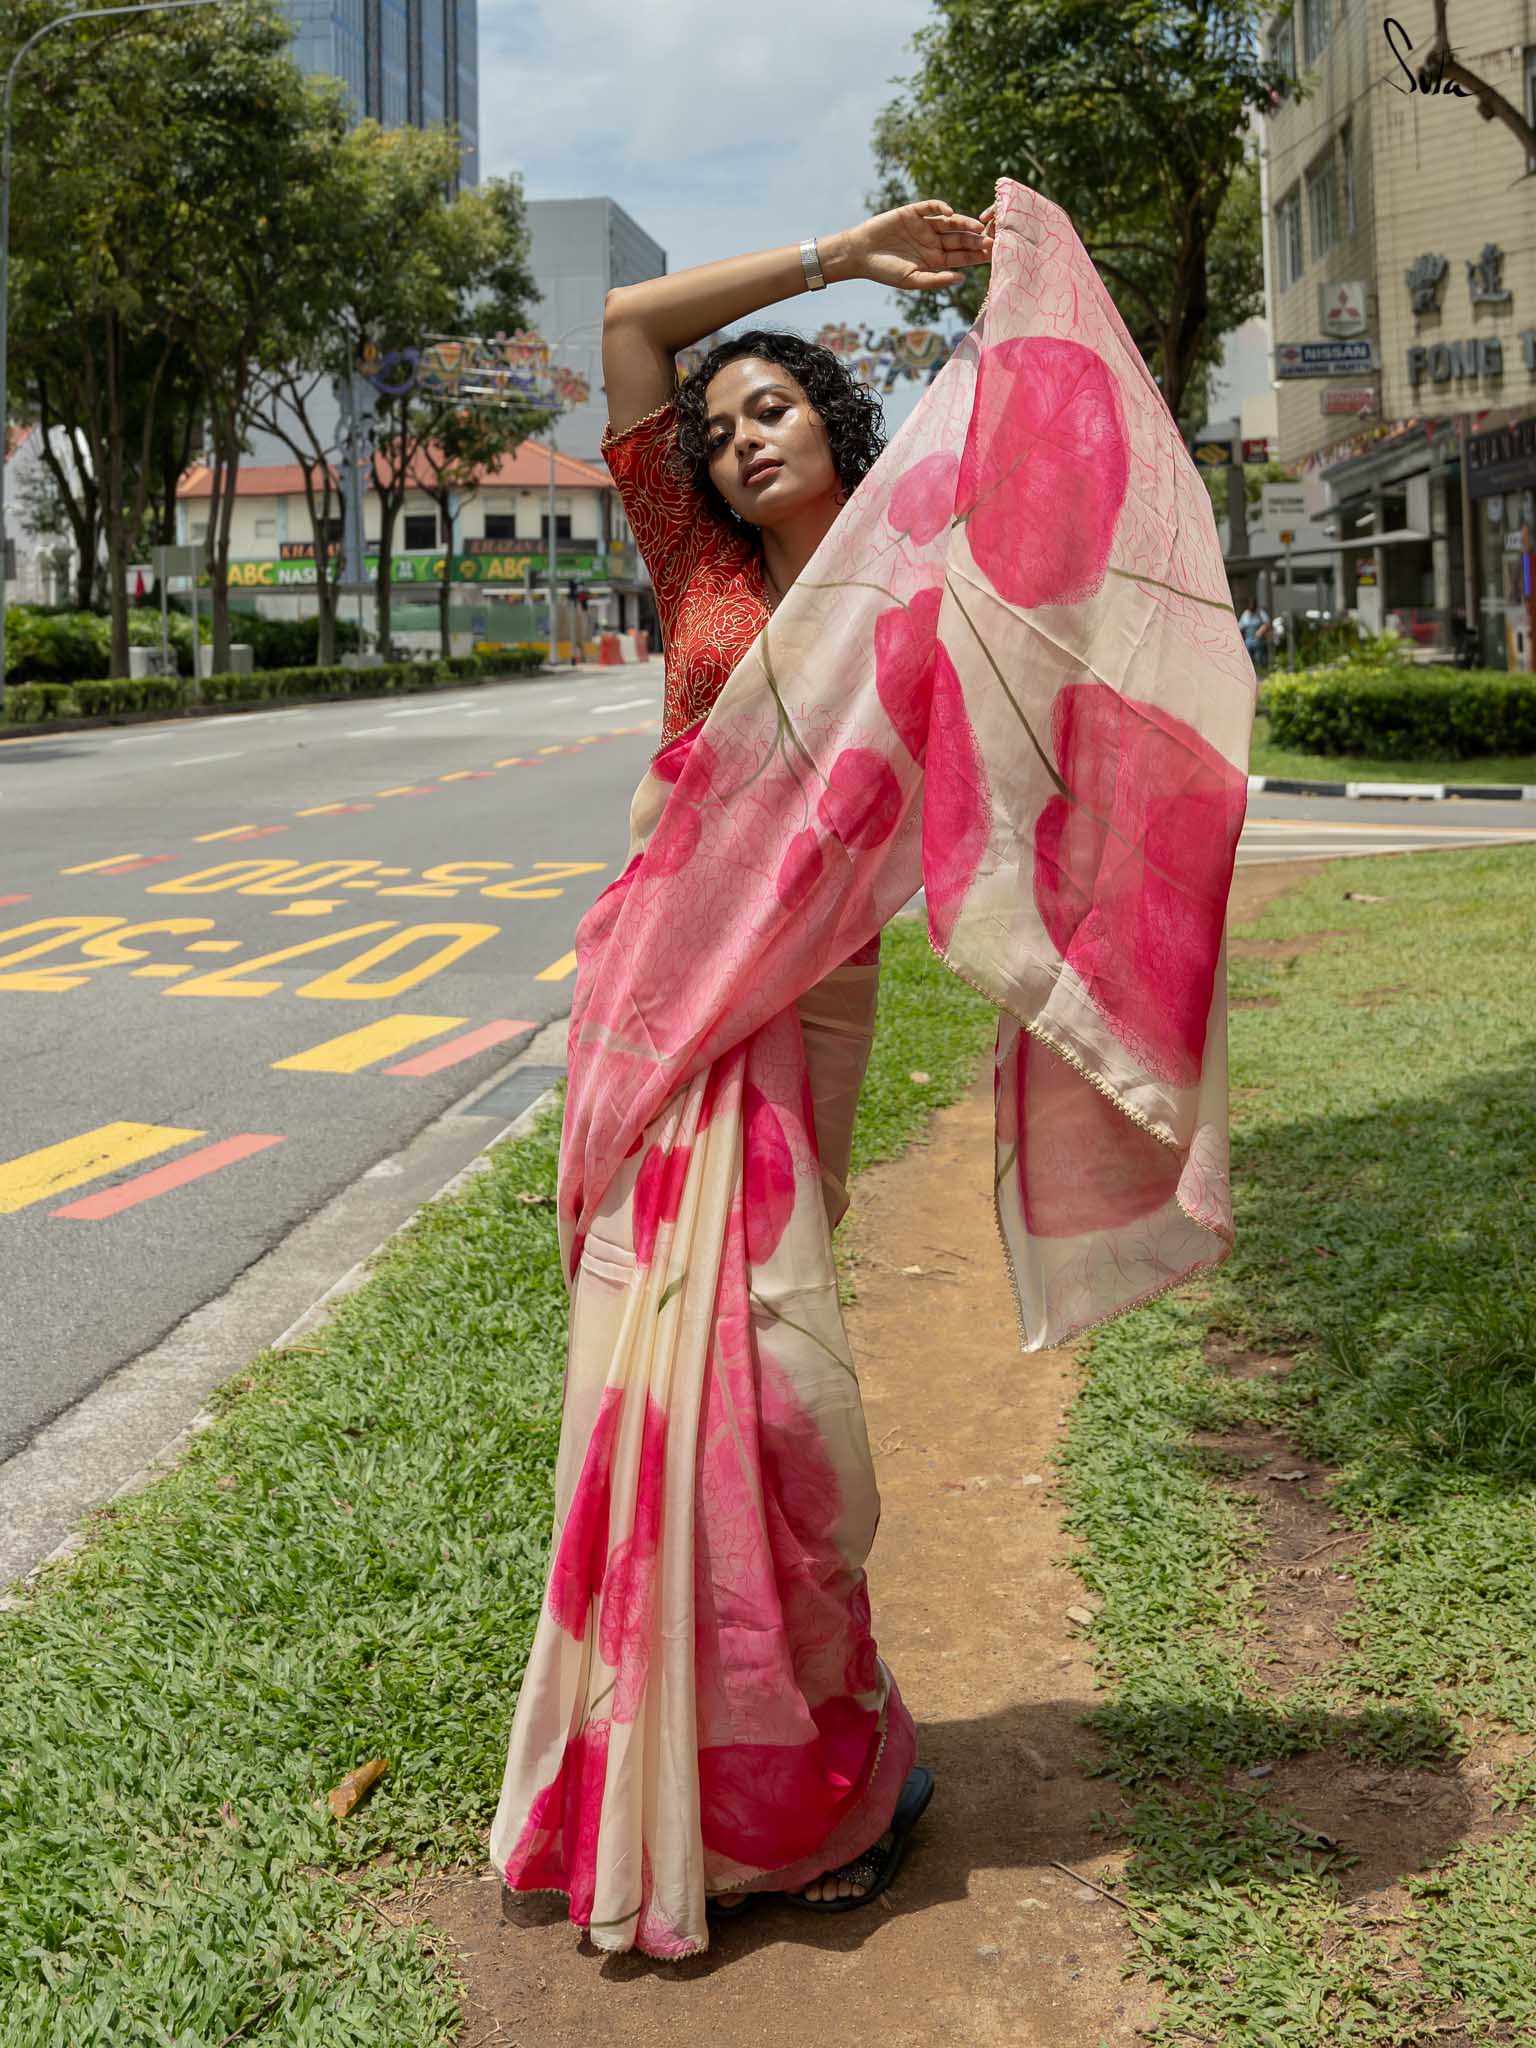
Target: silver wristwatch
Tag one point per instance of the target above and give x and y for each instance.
(810, 263)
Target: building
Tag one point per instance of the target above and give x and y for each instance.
(580, 250)
(1401, 290)
(498, 564)
(405, 63)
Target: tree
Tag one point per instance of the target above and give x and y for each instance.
(469, 441)
(1134, 120)
(453, 268)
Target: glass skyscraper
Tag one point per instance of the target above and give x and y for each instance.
(404, 62)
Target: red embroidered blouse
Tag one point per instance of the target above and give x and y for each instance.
(708, 581)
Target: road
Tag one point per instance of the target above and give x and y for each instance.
(247, 963)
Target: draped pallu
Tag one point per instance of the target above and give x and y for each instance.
(1010, 676)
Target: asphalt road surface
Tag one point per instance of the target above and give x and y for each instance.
(245, 960)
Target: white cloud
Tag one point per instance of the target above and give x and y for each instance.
(721, 129)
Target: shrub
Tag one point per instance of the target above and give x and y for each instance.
(1402, 713)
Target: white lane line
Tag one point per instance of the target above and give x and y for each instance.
(362, 732)
(629, 704)
(420, 711)
(196, 760)
(556, 702)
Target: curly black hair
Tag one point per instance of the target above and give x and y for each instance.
(850, 411)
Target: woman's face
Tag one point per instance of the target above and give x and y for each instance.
(769, 456)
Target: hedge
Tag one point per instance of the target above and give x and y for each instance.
(1397, 712)
(61, 645)
(36, 703)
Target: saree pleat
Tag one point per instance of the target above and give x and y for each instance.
(1009, 677)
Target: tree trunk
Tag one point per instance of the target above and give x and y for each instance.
(117, 538)
(383, 586)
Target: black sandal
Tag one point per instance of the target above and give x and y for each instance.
(876, 1867)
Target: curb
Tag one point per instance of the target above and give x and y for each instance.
(1438, 792)
(168, 1455)
(188, 714)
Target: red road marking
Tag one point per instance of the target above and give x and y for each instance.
(464, 1047)
(145, 860)
(230, 838)
(14, 899)
(161, 1179)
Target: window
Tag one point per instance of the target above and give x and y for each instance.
(562, 526)
(1288, 238)
(266, 529)
(420, 531)
(1322, 205)
(1316, 21)
(501, 526)
(1347, 178)
(1282, 45)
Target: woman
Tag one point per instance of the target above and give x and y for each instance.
(1006, 672)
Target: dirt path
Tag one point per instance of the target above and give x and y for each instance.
(982, 1939)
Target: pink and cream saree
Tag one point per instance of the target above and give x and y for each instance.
(1011, 677)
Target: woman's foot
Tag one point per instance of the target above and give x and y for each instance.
(853, 1879)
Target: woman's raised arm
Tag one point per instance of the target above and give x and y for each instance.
(919, 247)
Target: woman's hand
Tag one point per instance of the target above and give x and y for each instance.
(917, 248)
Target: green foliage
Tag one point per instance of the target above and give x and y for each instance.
(1132, 119)
(1402, 712)
(1382, 1135)
(124, 697)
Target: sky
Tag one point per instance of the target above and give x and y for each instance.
(721, 128)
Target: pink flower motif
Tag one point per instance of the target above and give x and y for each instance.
(861, 804)
(1082, 1164)
(557, 1848)
(957, 804)
(923, 499)
(905, 638)
(577, 1571)
(658, 1191)
(769, 1177)
(675, 840)
(1044, 472)
(799, 870)
(1132, 872)
(629, 1584)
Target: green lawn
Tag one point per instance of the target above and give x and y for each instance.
(347, 1564)
(1272, 760)
(1385, 1212)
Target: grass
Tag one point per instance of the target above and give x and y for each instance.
(1383, 1130)
(346, 1564)
(1267, 759)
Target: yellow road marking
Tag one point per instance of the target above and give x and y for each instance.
(458, 775)
(311, 906)
(89, 867)
(559, 970)
(319, 810)
(225, 832)
(361, 1048)
(512, 761)
(398, 791)
(37, 1176)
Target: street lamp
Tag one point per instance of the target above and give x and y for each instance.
(59, 21)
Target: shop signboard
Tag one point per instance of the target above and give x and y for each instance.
(297, 572)
(1349, 398)
(1282, 505)
(1340, 358)
(1256, 448)
(1210, 451)
(1341, 307)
